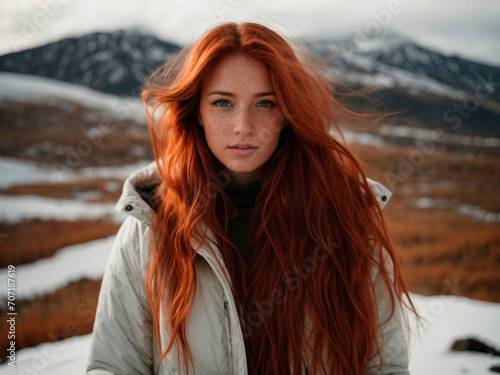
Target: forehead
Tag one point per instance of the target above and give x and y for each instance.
(239, 73)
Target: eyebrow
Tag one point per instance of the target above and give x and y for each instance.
(230, 94)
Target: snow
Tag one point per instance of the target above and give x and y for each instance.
(362, 53)
(384, 42)
(360, 138)
(23, 87)
(362, 61)
(117, 75)
(376, 79)
(447, 318)
(433, 134)
(14, 209)
(476, 212)
(103, 56)
(417, 55)
(113, 172)
(70, 263)
(453, 66)
(17, 172)
(66, 357)
(389, 76)
(421, 83)
(20, 172)
(407, 132)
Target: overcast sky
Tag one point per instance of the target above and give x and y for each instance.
(467, 28)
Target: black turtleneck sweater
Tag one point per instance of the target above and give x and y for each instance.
(243, 197)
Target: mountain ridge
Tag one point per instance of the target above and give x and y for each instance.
(113, 62)
(422, 86)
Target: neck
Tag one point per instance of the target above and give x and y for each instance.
(245, 177)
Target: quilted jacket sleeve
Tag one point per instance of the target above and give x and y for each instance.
(122, 340)
(394, 360)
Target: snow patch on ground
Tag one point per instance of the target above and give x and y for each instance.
(476, 212)
(448, 318)
(438, 135)
(359, 137)
(14, 209)
(21, 172)
(364, 139)
(28, 88)
(66, 357)
(70, 263)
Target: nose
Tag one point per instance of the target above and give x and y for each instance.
(243, 122)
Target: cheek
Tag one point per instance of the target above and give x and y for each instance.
(270, 129)
(214, 125)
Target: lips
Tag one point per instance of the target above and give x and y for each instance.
(242, 145)
(243, 149)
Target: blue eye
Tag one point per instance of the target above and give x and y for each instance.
(265, 103)
(222, 103)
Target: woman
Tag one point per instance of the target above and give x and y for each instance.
(255, 242)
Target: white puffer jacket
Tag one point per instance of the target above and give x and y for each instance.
(123, 340)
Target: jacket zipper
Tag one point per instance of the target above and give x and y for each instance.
(220, 278)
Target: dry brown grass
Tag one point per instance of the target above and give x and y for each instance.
(441, 246)
(67, 312)
(475, 173)
(54, 134)
(444, 254)
(29, 241)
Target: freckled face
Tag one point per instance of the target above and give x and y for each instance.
(239, 116)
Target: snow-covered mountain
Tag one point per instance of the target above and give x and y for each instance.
(114, 62)
(424, 87)
(392, 60)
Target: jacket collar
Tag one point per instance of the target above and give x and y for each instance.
(131, 202)
(382, 194)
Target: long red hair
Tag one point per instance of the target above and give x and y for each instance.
(306, 294)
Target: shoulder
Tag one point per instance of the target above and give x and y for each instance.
(138, 195)
(131, 248)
